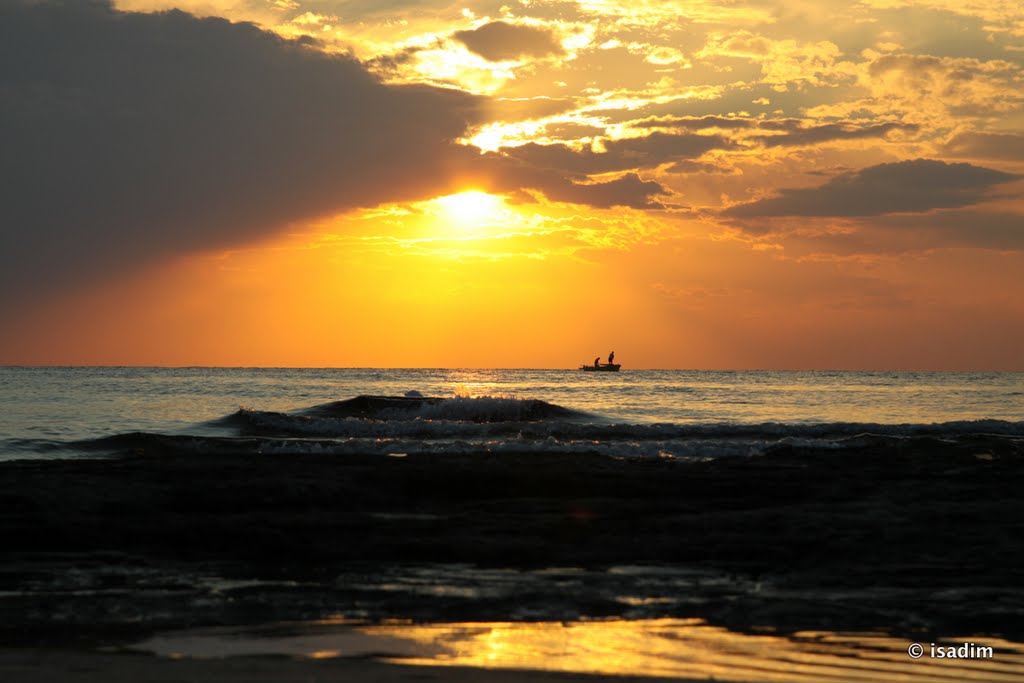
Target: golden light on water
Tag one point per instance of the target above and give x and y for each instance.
(663, 648)
(690, 648)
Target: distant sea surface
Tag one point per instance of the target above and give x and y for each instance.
(70, 412)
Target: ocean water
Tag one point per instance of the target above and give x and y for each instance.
(71, 412)
(620, 619)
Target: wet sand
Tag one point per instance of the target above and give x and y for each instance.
(47, 666)
(918, 538)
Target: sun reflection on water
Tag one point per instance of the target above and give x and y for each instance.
(693, 649)
(669, 648)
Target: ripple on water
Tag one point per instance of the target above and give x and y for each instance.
(671, 648)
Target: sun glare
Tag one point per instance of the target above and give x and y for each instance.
(470, 208)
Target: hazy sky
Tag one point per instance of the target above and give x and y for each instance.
(698, 184)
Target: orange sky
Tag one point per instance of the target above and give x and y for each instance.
(761, 184)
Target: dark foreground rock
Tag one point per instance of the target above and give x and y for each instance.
(924, 537)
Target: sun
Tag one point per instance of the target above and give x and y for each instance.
(470, 208)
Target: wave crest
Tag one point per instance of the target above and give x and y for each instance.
(459, 409)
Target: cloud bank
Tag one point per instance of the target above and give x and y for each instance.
(902, 187)
(128, 138)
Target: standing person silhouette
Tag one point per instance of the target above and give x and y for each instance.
(611, 358)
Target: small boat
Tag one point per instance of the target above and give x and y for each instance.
(607, 367)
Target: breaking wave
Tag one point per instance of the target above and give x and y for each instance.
(460, 408)
(420, 425)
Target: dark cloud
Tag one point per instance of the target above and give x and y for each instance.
(794, 132)
(687, 167)
(389, 65)
(781, 124)
(694, 122)
(130, 137)
(563, 173)
(999, 230)
(571, 130)
(902, 187)
(916, 233)
(501, 40)
(629, 190)
(987, 145)
(502, 173)
(626, 154)
(829, 172)
(813, 135)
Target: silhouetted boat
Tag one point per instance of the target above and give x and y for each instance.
(607, 367)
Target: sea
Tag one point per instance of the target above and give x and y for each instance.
(65, 412)
(609, 620)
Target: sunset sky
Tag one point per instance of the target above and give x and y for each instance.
(417, 183)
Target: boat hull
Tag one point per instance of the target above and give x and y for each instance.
(608, 367)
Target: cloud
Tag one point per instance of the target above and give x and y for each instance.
(500, 41)
(502, 173)
(521, 108)
(782, 61)
(813, 135)
(793, 132)
(629, 190)
(905, 186)
(897, 234)
(686, 167)
(1001, 230)
(987, 145)
(960, 85)
(128, 138)
(620, 155)
(694, 122)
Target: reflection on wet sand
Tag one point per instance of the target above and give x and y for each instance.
(678, 648)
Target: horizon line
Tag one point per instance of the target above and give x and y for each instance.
(471, 368)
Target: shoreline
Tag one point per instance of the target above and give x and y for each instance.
(44, 666)
(923, 539)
